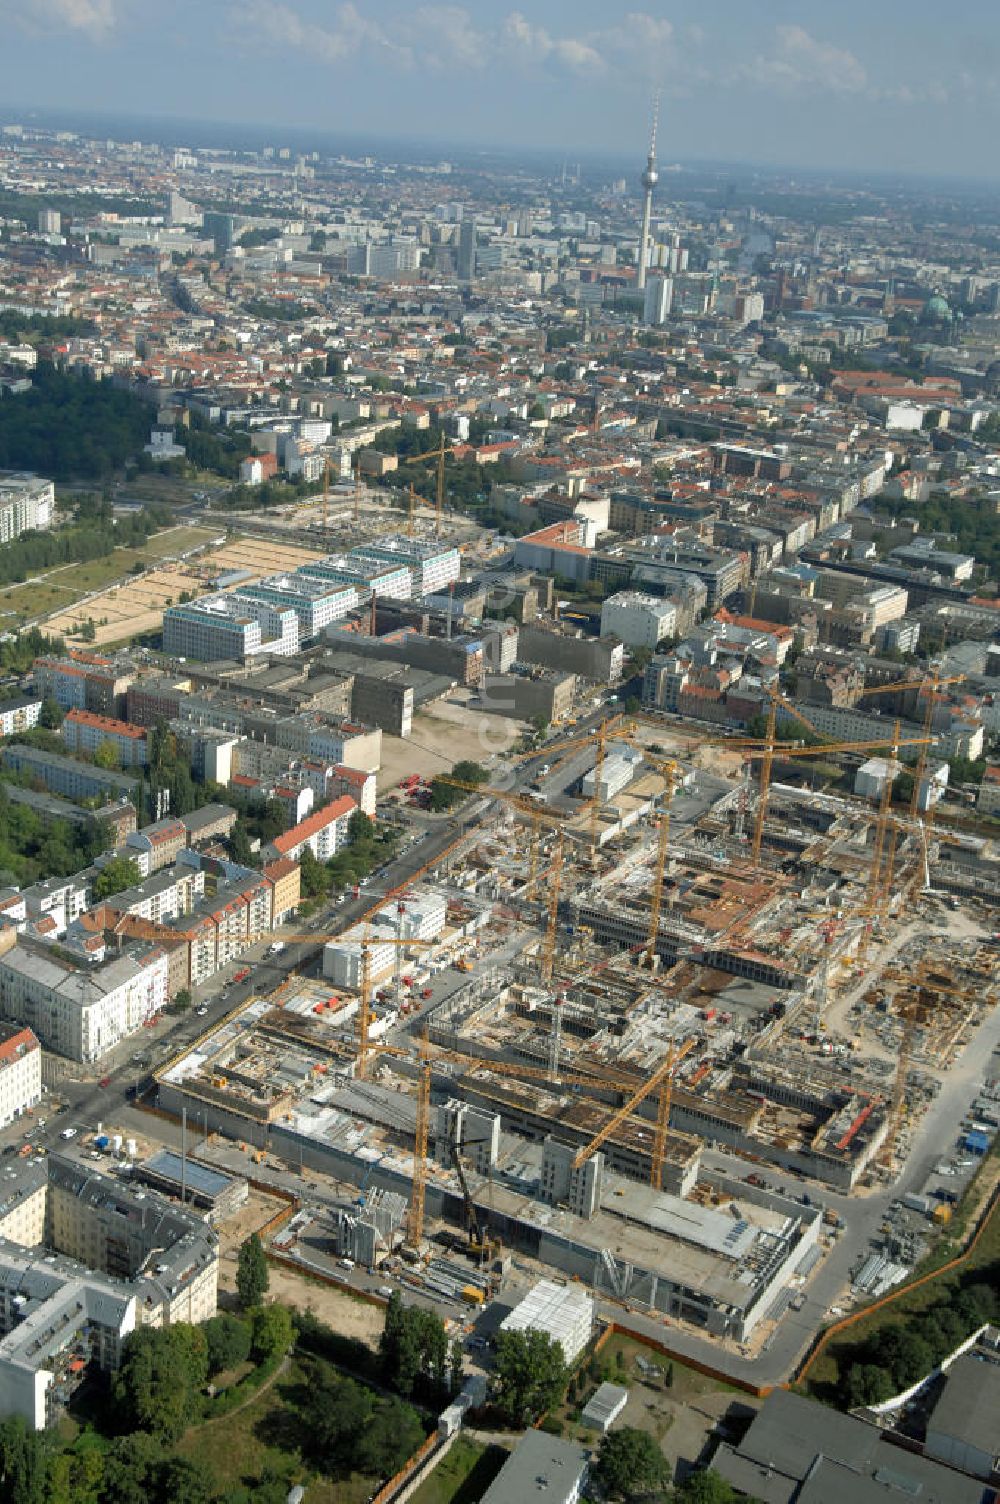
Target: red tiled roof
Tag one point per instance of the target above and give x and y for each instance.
(314, 823)
(105, 723)
(17, 1044)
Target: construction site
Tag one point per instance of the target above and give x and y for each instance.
(634, 980)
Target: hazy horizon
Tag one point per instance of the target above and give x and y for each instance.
(872, 90)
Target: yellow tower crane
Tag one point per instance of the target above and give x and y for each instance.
(415, 1218)
(668, 769)
(658, 1078)
(552, 924)
(438, 454)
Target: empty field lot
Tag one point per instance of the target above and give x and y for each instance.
(442, 735)
(132, 604)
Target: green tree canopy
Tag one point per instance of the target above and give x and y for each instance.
(162, 1373)
(118, 874)
(252, 1279)
(529, 1376)
(630, 1463)
(273, 1332)
(227, 1340)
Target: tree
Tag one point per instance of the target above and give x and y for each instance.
(107, 756)
(705, 1487)
(117, 875)
(360, 827)
(867, 1384)
(182, 999)
(391, 1436)
(50, 714)
(529, 1376)
(228, 1342)
(273, 1332)
(399, 1347)
(23, 1462)
(335, 1413)
(630, 1463)
(131, 1468)
(162, 1372)
(179, 1481)
(457, 1359)
(314, 877)
(252, 1279)
(239, 844)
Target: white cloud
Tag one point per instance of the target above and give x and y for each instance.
(347, 33)
(801, 61)
(96, 18)
(450, 36)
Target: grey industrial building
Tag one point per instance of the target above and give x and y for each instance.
(598, 659)
(543, 692)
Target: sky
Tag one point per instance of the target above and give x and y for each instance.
(887, 85)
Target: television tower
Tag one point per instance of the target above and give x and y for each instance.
(649, 180)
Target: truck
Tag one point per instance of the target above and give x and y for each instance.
(915, 1203)
(276, 948)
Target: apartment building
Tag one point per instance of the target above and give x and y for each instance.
(19, 714)
(638, 620)
(229, 627)
(85, 732)
(157, 845)
(84, 1260)
(163, 896)
(83, 681)
(324, 832)
(27, 504)
(77, 1011)
(20, 1072)
(283, 878)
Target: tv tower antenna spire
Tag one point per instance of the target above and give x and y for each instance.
(649, 180)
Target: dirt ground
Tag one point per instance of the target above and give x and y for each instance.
(349, 1317)
(442, 735)
(259, 555)
(129, 608)
(252, 1215)
(137, 604)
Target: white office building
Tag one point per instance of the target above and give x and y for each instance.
(315, 602)
(564, 1312)
(432, 568)
(342, 960)
(418, 918)
(369, 576)
(229, 626)
(641, 621)
(659, 300)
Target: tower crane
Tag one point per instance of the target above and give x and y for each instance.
(658, 1078)
(415, 1218)
(438, 454)
(668, 768)
(552, 923)
(538, 818)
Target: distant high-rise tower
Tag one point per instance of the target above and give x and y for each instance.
(467, 241)
(650, 178)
